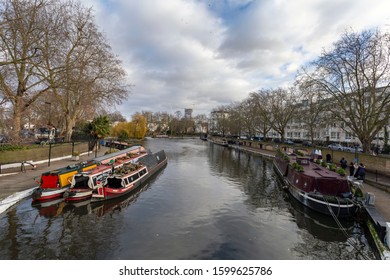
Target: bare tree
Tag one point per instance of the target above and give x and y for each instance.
(22, 27)
(82, 70)
(355, 76)
(313, 111)
(219, 120)
(248, 116)
(262, 118)
(233, 120)
(201, 122)
(283, 107)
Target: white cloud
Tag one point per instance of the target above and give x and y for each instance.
(209, 53)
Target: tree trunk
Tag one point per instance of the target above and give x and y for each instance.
(16, 122)
(69, 125)
(366, 145)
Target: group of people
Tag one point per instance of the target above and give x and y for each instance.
(355, 170)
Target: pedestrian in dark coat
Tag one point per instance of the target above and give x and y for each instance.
(328, 158)
(351, 169)
(361, 172)
(343, 163)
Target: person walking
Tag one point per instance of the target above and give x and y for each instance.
(343, 163)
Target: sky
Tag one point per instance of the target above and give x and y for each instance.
(201, 54)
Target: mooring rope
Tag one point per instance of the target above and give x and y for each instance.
(343, 230)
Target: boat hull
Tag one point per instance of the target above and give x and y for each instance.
(77, 194)
(343, 207)
(40, 194)
(106, 193)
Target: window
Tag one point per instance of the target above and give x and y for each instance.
(348, 136)
(114, 183)
(335, 135)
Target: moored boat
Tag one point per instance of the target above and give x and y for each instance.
(84, 183)
(218, 141)
(316, 186)
(54, 183)
(130, 176)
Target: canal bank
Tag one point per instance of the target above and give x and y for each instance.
(377, 204)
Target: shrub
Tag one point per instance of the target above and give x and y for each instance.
(297, 167)
(112, 150)
(341, 171)
(10, 147)
(76, 153)
(332, 167)
(282, 155)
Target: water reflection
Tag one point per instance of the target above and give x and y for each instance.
(325, 238)
(59, 207)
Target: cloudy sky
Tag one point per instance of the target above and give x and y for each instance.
(201, 54)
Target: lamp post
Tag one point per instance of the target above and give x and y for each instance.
(356, 154)
(49, 103)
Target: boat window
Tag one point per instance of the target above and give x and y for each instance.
(115, 183)
(96, 179)
(303, 161)
(142, 172)
(81, 182)
(135, 176)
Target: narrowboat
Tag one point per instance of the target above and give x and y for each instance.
(315, 185)
(130, 176)
(54, 183)
(219, 141)
(85, 182)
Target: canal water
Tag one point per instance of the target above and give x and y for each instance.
(209, 202)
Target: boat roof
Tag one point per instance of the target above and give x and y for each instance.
(69, 168)
(315, 170)
(96, 170)
(104, 167)
(121, 176)
(119, 153)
